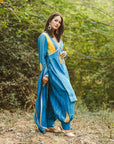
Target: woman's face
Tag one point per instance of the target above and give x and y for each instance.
(55, 23)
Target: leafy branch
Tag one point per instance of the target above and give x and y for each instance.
(91, 58)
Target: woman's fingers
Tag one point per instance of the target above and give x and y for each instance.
(44, 80)
(63, 54)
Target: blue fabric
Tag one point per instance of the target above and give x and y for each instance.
(42, 48)
(58, 76)
(42, 91)
(58, 97)
(65, 126)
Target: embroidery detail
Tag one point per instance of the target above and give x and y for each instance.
(41, 67)
(67, 119)
(51, 48)
(48, 50)
(61, 60)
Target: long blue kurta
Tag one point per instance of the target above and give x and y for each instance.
(56, 99)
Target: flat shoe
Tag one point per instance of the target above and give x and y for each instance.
(69, 134)
(55, 130)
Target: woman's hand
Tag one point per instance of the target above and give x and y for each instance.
(63, 54)
(45, 79)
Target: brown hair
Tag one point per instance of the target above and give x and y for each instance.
(60, 31)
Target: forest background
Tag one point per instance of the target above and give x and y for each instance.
(88, 40)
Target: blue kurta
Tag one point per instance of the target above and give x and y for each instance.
(56, 99)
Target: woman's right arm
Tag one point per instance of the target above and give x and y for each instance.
(42, 47)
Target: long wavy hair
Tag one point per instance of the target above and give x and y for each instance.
(60, 30)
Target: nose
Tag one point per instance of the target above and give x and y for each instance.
(57, 23)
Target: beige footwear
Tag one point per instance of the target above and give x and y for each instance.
(69, 134)
(54, 129)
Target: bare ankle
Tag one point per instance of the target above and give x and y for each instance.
(67, 131)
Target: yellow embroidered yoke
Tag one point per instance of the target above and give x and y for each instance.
(51, 49)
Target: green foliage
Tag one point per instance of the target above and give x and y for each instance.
(88, 40)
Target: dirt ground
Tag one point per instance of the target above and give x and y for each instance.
(89, 128)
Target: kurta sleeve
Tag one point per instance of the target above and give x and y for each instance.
(42, 48)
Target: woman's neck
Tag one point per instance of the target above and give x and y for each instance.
(53, 33)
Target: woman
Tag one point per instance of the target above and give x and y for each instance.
(55, 98)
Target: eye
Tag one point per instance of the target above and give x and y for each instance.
(56, 20)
